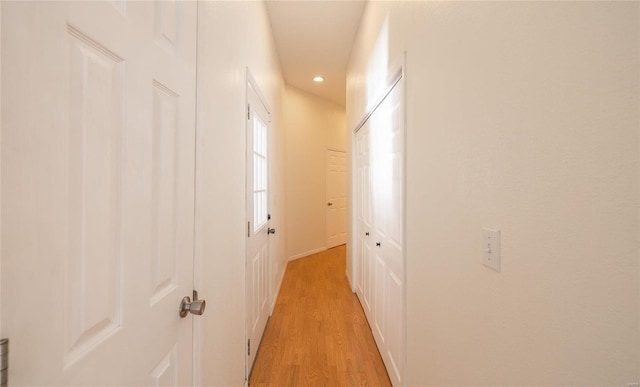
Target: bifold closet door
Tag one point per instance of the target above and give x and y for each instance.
(380, 222)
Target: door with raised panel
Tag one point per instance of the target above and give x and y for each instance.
(387, 261)
(336, 197)
(380, 285)
(98, 134)
(257, 259)
(364, 218)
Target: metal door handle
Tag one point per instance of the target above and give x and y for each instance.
(378, 244)
(366, 233)
(271, 231)
(329, 204)
(194, 307)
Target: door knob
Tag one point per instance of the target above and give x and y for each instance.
(329, 204)
(366, 233)
(271, 231)
(378, 244)
(194, 307)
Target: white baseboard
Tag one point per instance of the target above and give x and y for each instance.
(277, 292)
(306, 253)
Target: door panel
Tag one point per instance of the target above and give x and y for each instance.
(166, 372)
(93, 278)
(392, 243)
(165, 152)
(367, 280)
(97, 193)
(395, 325)
(364, 218)
(379, 312)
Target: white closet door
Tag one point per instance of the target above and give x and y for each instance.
(389, 232)
(98, 136)
(364, 218)
(380, 220)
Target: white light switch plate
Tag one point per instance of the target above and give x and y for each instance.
(491, 248)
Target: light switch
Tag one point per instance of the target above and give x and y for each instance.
(491, 248)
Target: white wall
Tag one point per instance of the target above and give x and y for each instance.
(522, 117)
(232, 36)
(312, 124)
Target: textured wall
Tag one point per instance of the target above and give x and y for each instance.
(522, 117)
(232, 37)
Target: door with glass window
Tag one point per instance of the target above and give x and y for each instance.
(257, 259)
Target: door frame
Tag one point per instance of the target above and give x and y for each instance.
(1, 181)
(396, 73)
(251, 83)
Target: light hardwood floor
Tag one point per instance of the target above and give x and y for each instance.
(318, 334)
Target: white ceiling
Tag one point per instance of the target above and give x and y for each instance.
(315, 38)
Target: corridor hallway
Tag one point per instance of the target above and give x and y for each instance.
(318, 334)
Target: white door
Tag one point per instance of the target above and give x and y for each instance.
(336, 193)
(364, 220)
(380, 222)
(97, 191)
(257, 260)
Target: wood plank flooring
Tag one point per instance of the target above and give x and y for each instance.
(318, 334)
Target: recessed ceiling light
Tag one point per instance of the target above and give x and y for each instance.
(318, 79)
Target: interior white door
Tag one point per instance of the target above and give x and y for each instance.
(257, 260)
(364, 215)
(388, 232)
(380, 219)
(336, 194)
(97, 191)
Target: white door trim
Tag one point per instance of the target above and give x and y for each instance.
(251, 81)
(197, 334)
(397, 72)
(1, 331)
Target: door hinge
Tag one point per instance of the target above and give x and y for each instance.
(248, 112)
(249, 347)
